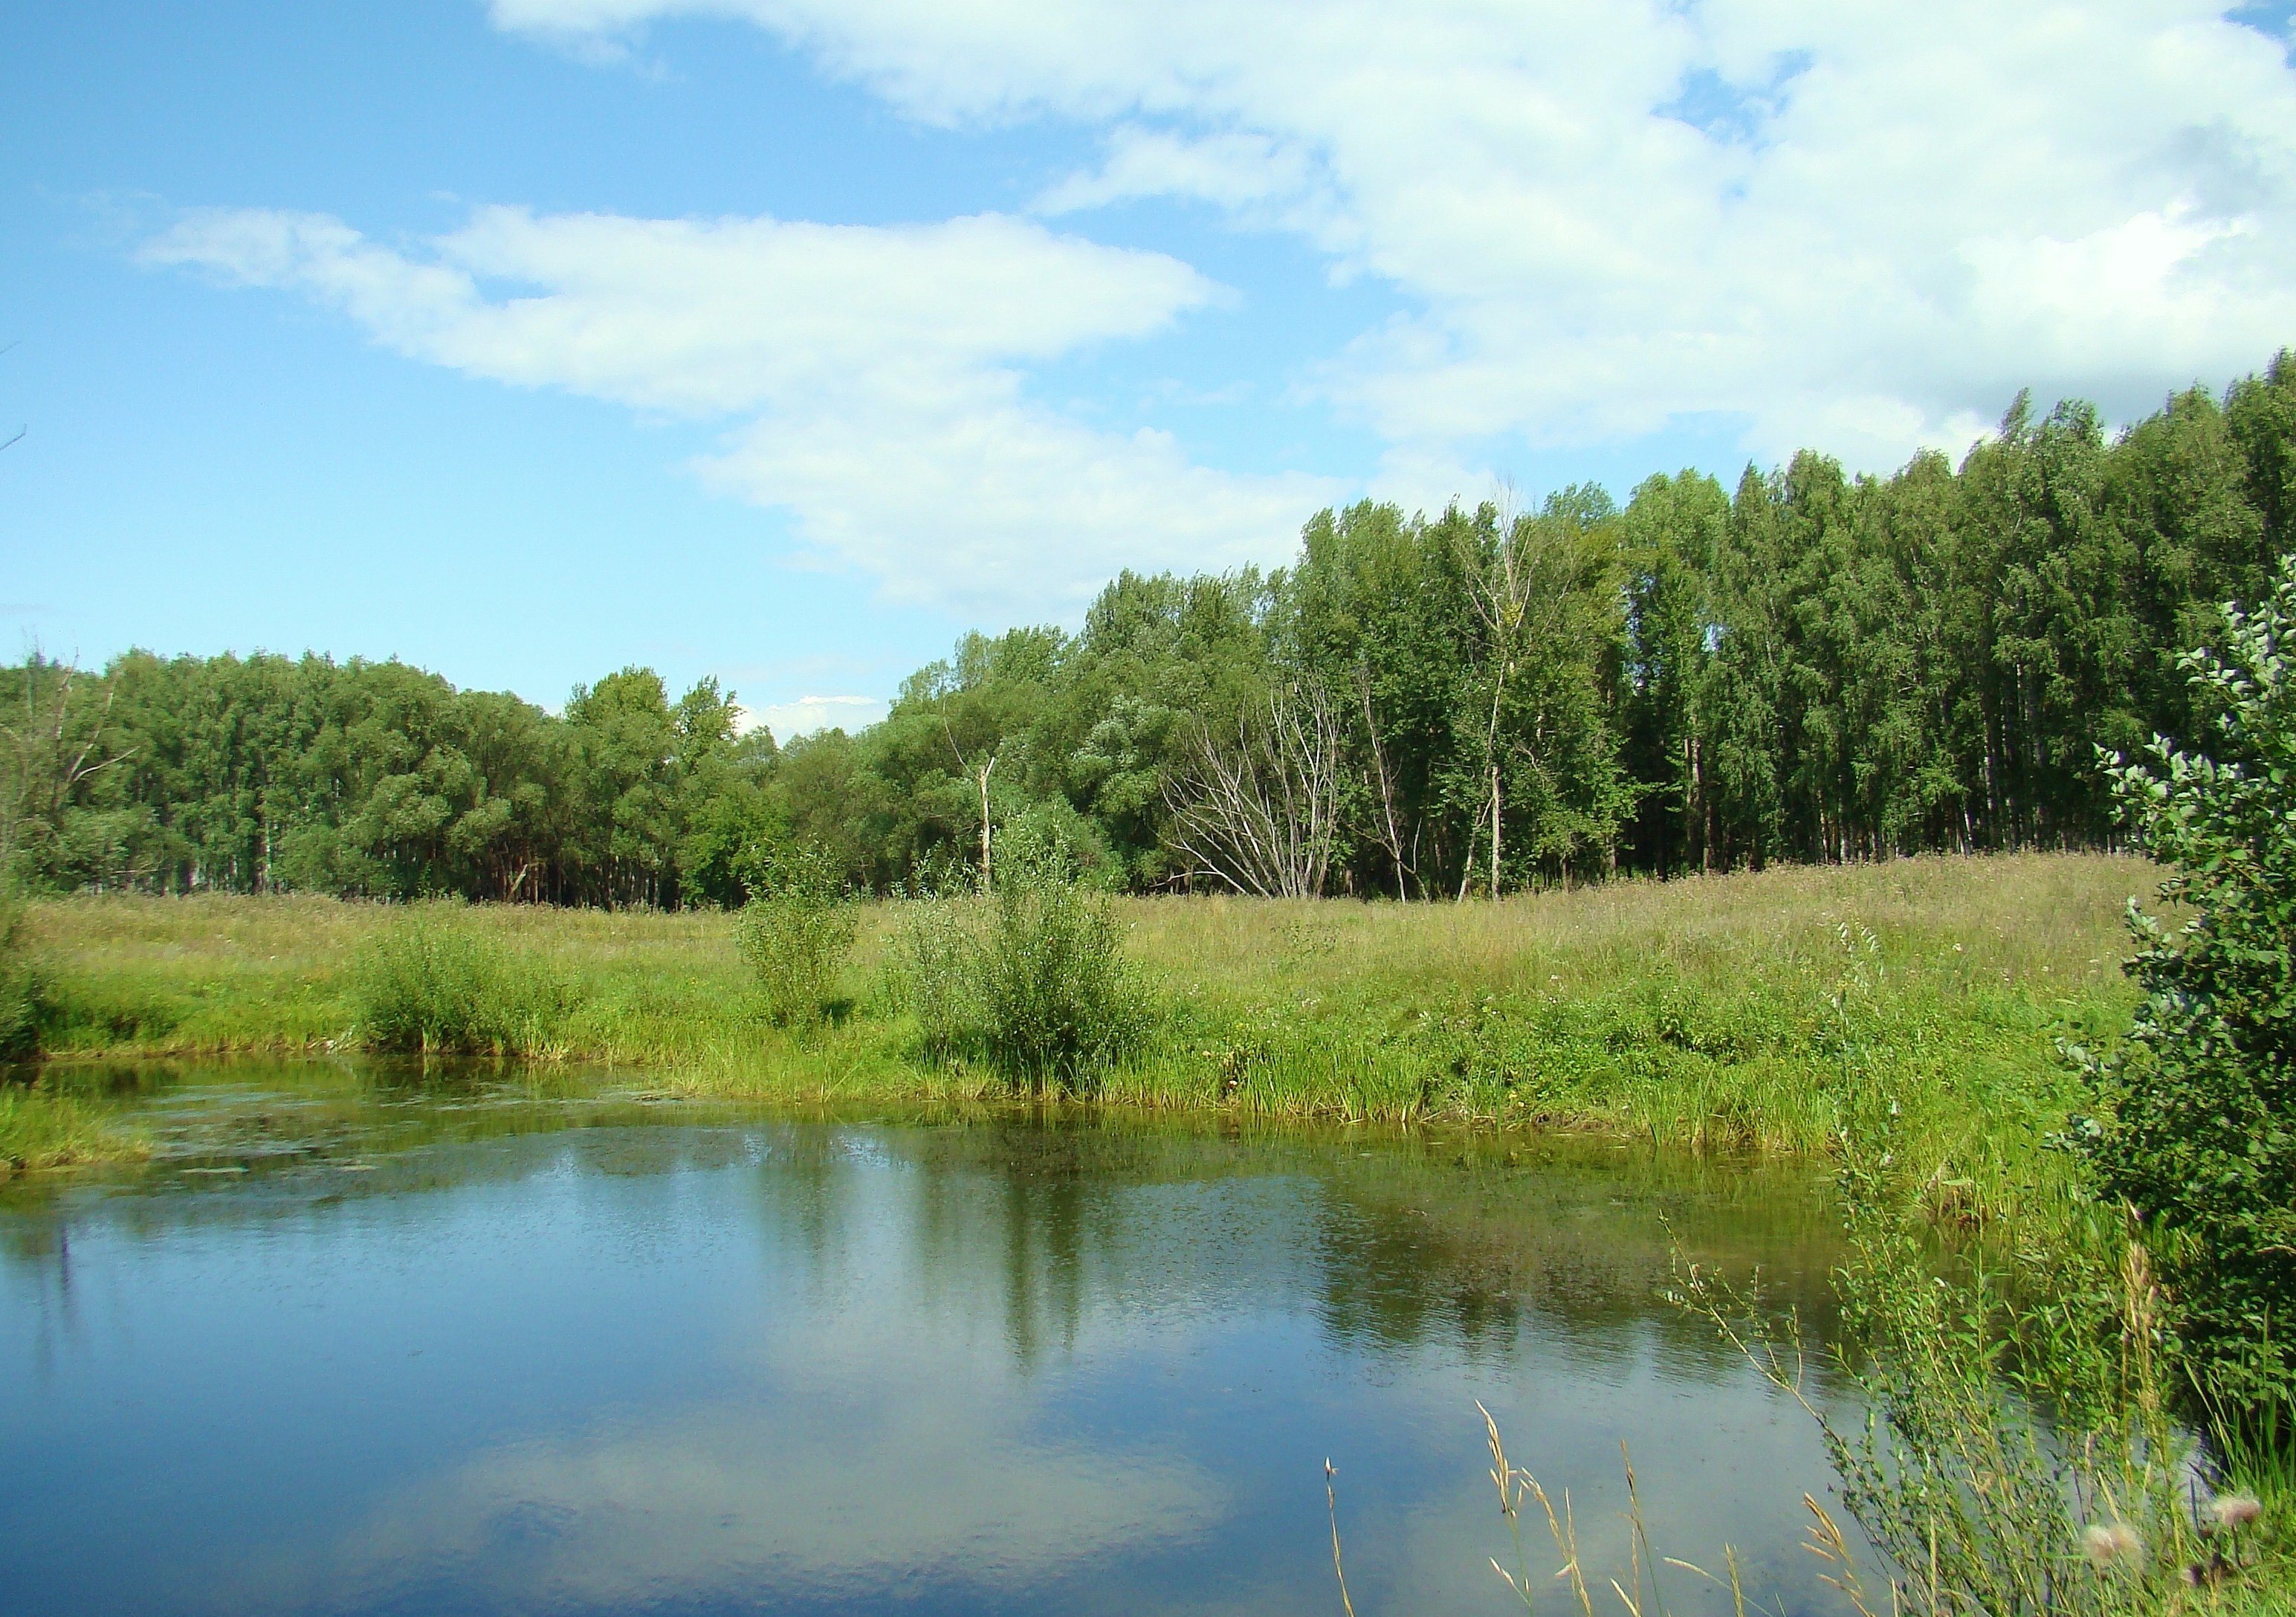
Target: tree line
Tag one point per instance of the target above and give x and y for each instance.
(1807, 666)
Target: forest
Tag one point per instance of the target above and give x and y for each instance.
(1810, 666)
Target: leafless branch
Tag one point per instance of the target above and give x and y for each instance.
(1261, 814)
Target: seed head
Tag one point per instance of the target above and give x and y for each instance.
(2116, 1544)
(2234, 1510)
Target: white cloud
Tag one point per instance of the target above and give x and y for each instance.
(1873, 220)
(807, 714)
(879, 371)
(1249, 173)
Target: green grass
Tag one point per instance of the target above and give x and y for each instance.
(1755, 1010)
(42, 1127)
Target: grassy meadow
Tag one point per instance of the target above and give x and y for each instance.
(1748, 1011)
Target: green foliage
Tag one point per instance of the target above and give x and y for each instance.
(1060, 999)
(2014, 1454)
(2198, 1131)
(1032, 980)
(425, 984)
(796, 932)
(44, 1126)
(1805, 667)
(24, 988)
(933, 971)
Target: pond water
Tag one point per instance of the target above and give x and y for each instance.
(368, 1340)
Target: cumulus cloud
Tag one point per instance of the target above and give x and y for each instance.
(877, 373)
(1874, 222)
(786, 719)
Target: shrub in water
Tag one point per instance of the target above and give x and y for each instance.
(424, 985)
(2198, 1129)
(796, 934)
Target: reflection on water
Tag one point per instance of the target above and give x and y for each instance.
(368, 1340)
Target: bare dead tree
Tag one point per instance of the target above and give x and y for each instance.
(1499, 586)
(980, 773)
(1261, 813)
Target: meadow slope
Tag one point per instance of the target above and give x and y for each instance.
(1758, 1010)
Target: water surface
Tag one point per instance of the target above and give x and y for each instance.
(363, 1339)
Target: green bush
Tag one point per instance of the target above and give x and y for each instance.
(424, 985)
(2197, 1128)
(2011, 1452)
(1033, 980)
(24, 987)
(933, 972)
(796, 934)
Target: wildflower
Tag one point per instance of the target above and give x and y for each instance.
(2106, 1547)
(2234, 1510)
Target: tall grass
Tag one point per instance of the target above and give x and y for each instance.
(1729, 1013)
(23, 984)
(43, 1126)
(422, 984)
(2016, 1454)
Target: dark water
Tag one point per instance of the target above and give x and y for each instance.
(454, 1345)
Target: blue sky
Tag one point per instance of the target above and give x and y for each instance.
(782, 340)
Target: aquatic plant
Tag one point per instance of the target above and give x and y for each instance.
(44, 1126)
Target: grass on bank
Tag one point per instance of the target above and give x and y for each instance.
(42, 1127)
(1751, 1010)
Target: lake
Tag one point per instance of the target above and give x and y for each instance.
(364, 1338)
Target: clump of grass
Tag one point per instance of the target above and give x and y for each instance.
(41, 1127)
(796, 934)
(1034, 981)
(424, 985)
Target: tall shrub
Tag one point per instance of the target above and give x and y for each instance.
(1059, 998)
(1033, 981)
(2197, 1125)
(424, 985)
(796, 934)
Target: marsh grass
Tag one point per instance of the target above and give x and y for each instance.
(45, 1126)
(2072, 1545)
(1725, 1013)
(424, 985)
(2015, 1450)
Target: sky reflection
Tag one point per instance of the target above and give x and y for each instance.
(841, 1366)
